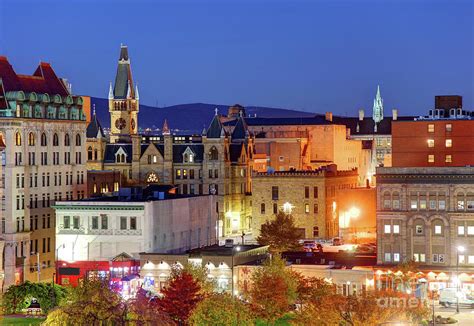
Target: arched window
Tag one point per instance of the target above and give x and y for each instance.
(31, 139)
(95, 154)
(44, 140)
(18, 138)
(213, 154)
(55, 140)
(78, 140)
(123, 158)
(89, 153)
(67, 141)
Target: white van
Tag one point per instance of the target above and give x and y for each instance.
(447, 298)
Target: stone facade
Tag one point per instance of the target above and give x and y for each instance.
(424, 214)
(42, 127)
(215, 162)
(310, 197)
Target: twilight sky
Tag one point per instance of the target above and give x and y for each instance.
(312, 55)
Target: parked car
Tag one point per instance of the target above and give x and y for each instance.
(448, 297)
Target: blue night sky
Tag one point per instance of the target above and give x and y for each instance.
(311, 55)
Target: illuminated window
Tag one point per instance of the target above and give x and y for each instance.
(449, 127)
(31, 139)
(152, 178)
(461, 259)
(431, 127)
(387, 228)
(449, 143)
(306, 208)
(438, 229)
(431, 158)
(448, 158)
(430, 142)
(396, 257)
(470, 230)
(178, 174)
(18, 139)
(388, 257)
(396, 229)
(461, 230)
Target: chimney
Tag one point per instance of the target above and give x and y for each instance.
(329, 116)
(361, 114)
(394, 114)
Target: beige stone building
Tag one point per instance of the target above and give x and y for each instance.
(215, 162)
(424, 214)
(42, 129)
(310, 196)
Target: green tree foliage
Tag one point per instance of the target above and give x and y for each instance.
(280, 234)
(180, 297)
(92, 302)
(221, 310)
(273, 289)
(18, 297)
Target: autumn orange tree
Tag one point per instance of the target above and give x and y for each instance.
(280, 234)
(273, 289)
(180, 297)
(145, 310)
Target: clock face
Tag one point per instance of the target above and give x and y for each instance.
(133, 124)
(120, 123)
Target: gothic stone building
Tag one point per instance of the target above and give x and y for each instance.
(215, 162)
(42, 136)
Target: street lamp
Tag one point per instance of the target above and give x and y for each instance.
(234, 249)
(459, 249)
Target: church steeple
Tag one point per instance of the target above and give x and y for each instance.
(123, 101)
(377, 111)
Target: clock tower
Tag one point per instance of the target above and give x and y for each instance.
(123, 102)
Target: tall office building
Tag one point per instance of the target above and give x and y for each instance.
(42, 137)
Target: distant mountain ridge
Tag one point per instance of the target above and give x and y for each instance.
(190, 118)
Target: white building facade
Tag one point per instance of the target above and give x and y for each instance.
(98, 230)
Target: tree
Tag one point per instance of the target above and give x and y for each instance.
(312, 289)
(145, 310)
(18, 297)
(370, 308)
(273, 289)
(91, 302)
(221, 310)
(180, 297)
(280, 234)
(199, 274)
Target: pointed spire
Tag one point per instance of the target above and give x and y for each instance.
(165, 130)
(93, 110)
(111, 92)
(204, 131)
(377, 111)
(216, 110)
(136, 92)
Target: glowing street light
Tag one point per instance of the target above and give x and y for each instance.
(287, 208)
(354, 212)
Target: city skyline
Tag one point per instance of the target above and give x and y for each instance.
(225, 53)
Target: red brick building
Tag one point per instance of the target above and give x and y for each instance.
(443, 138)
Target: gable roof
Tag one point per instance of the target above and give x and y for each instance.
(178, 151)
(112, 149)
(43, 80)
(240, 129)
(215, 129)
(94, 129)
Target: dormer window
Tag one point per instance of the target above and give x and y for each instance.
(188, 156)
(120, 156)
